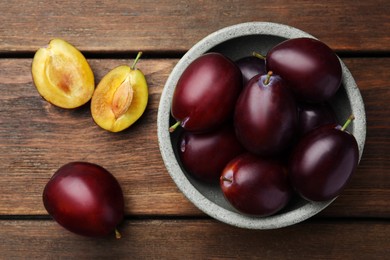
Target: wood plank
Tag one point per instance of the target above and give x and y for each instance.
(376, 152)
(99, 26)
(199, 239)
(37, 138)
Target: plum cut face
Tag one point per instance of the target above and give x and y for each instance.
(85, 199)
(62, 75)
(120, 99)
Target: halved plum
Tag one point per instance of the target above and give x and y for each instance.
(120, 98)
(62, 75)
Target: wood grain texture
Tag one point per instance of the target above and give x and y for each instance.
(36, 138)
(166, 26)
(199, 239)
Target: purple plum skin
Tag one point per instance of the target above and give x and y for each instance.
(323, 162)
(255, 186)
(311, 68)
(312, 116)
(206, 92)
(250, 66)
(204, 155)
(85, 199)
(266, 116)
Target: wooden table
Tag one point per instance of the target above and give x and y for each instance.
(36, 138)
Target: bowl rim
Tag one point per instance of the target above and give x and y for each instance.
(184, 185)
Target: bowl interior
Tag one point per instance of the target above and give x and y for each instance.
(209, 198)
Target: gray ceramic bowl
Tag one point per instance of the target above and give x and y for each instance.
(235, 42)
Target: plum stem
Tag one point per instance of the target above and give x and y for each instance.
(349, 120)
(173, 127)
(136, 60)
(258, 55)
(267, 79)
(117, 234)
(226, 179)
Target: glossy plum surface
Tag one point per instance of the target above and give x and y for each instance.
(250, 66)
(206, 92)
(312, 116)
(205, 155)
(312, 69)
(85, 199)
(323, 162)
(265, 116)
(255, 186)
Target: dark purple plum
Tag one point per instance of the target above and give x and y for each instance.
(311, 68)
(266, 116)
(312, 116)
(255, 186)
(323, 162)
(85, 199)
(204, 155)
(206, 92)
(250, 66)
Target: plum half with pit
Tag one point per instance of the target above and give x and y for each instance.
(120, 98)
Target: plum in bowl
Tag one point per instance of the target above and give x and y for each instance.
(236, 42)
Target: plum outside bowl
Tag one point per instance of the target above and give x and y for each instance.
(235, 42)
